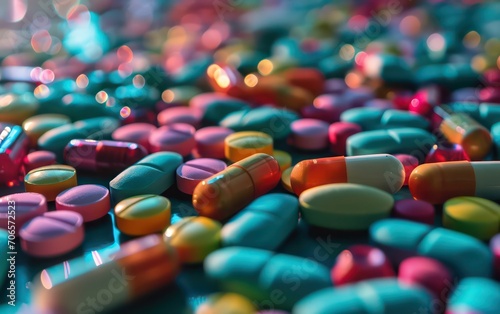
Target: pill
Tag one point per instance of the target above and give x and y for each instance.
(344, 206)
(210, 142)
(495, 250)
(381, 171)
(177, 137)
(16, 209)
(140, 267)
(186, 115)
(89, 200)
(135, 133)
(369, 118)
(375, 296)
(50, 180)
(409, 164)
(284, 159)
(257, 225)
(143, 214)
(338, 133)
(285, 179)
(309, 134)
(38, 159)
(216, 106)
(15, 108)
(414, 210)
(411, 141)
(153, 174)
(259, 274)
(438, 182)
(226, 303)
(310, 79)
(194, 238)
(485, 113)
(52, 233)
(102, 156)
(14, 146)
(381, 104)
(4, 264)
(464, 255)
(327, 107)
(360, 262)
(227, 192)
(241, 145)
(194, 171)
(442, 152)
(475, 295)
(428, 273)
(474, 216)
(36, 126)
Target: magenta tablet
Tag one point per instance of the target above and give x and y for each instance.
(177, 137)
(187, 115)
(409, 163)
(338, 133)
(210, 141)
(415, 210)
(52, 234)
(194, 171)
(89, 200)
(309, 134)
(38, 159)
(20, 208)
(135, 133)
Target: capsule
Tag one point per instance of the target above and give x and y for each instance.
(381, 171)
(14, 146)
(138, 268)
(227, 192)
(438, 182)
(102, 155)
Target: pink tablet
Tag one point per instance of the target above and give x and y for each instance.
(38, 159)
(309, 134)
(135, 133)
(89, 200)
(210, 142)
(194, 171)
(187, 115)
(338, 133)
(415, 210)
(19, 208)
(177, 137)
(52, 234)
(495, 249)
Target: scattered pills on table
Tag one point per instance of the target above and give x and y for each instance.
(38, 159)
(241, 145)
(16, 209)
(89, 200)
(210, 142)
(194, 171)
(50, 180)
(414, 210)
(309, 134)
(177, 137)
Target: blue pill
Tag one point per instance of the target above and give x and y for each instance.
(376, 118)
(475, 295)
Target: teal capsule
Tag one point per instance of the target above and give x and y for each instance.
(485, 113)
(273, 280)
(273, 121)
(495, 134)
(375, 296)
(466, 256)
(264, 224)
(450, 76)
(377, 118)
(219, 108)
(475, 295)
(412, 141)
(396, 71)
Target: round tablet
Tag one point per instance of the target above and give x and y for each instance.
(284, 159)
(89, 200)
(240, 145)
(52, 234)
(50, 180)
(474, 216)
(143, 214)
(135, 133)
(38, 159)
(22, 206)
(409, 163)
(177, 137)
(194, 171)
(186, 115)
(194, 238)
(285, 180)
(210, 141)
(309, 134)
(415, 210)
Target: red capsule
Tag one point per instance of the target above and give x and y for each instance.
(446, 152)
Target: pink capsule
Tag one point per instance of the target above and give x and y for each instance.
(414, 210)
(409, 163)
(338, 133)
(446, 152)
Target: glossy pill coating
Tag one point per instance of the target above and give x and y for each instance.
(143, 214)
(442, 152)
(376, 296)
(495, 250)
(50, 180)
(258, 274)
(475, 295)
(17, 108)
(338, 133)
(409, 164)
(135, 133)
(227, 192)
(151, 175)
(358, 263)
(474, 216)
(89, 200)
(38, 159)
(257, 225)
(186, 115)
(17, 209)
(241, 145)
(378, 119)
(216, 106)
(414, 210)
(194, 238)
(52, 234)
(381, 171)
(210, 142)
(344, 206)
(36, 126)
(464, 255)
(284, 159)
(177, 137)
(438, 182)
(140, 267)
(14, 146)
(495, 133)
(285, 179)
(194, 171)
(309, 134)
(226, 303)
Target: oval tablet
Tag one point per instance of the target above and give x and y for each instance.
(50, 180)
(194, 171)
(344, 206)
(475, 295)
(415, 210)
(143, 214)
(210, 142)
(135, 133)
(19, 208)
(241, 145)
(370, 118)
(38, 159)
(37, 125)
(177, 137)
(89, 200)
(309, 134)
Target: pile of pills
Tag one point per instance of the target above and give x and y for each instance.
(213, 133)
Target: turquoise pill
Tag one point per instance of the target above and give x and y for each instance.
(276, 280)
(219, 108)
(376, 296)
(376, 118)
(450, 76)
(151, 175)
(475, 295)
(464, 255)
(485, 113)
(495, 134)
(412, 141)
(263, 224)
(133, 97)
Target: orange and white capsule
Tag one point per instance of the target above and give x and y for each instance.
(382, 171)
(438, 182)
